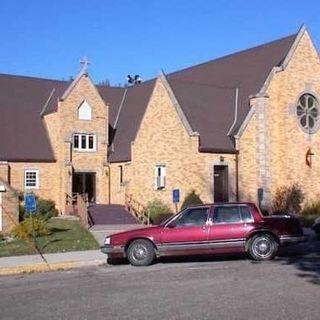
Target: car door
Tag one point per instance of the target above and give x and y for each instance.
(230, 225)
(187, 234)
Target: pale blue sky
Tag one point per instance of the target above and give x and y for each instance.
(47, 38)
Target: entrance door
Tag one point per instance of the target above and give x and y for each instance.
(85, 183)
(220, 184)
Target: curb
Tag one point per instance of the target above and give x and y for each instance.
(43, 267)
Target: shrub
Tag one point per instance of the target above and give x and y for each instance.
(288, 200)
(157, 208)
(191, 199)
(311, 209)
(45, 209)
(25, 229)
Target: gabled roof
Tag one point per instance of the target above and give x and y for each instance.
(23, 136)
(206, 94)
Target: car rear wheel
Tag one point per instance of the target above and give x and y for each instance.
(141, 253)
(262, 247)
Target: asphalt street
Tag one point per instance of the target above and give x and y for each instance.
(219, 288)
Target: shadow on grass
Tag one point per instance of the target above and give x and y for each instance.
(56, 230)
(45, 245)
(305, 258)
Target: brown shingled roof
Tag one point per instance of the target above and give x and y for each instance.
(206, 93)
(23, 135)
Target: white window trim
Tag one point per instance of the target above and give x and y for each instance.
(160, 180)
(37, 178)
(87, 135)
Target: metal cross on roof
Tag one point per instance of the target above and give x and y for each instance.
(85, 62)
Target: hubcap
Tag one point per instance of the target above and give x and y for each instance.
(139, 252)
(262, 247)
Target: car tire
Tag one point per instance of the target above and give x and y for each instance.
(262, 247)
(141, 253)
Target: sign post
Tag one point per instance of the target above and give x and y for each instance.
(176, 197)
(30, 205)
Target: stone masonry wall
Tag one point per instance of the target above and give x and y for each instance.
(162, 139)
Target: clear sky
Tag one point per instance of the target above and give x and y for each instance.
(47, 38)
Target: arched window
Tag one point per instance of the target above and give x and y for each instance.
(307, 112)
(84, 111)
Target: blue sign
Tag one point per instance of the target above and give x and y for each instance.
(30, 202)
(175, 195)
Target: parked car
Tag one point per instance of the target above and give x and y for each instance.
(316, 225)
(207, 229)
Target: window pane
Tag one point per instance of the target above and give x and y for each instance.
(76, 141)
(193, 217)
(226, 215)
(90, 142)
(83, 142)
(246, 214)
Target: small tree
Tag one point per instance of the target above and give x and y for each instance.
(191, 199)
(288, 200)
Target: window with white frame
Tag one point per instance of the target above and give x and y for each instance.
(160, 177)
(31, 179)
(84, 111)
(84, 142)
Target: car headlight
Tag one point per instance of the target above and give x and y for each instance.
(107, 240)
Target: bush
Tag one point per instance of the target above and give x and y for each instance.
(25, 230)
(161, 218)
(288, 200)
(311, 209)
(45, 209)
(157, 208)
(191, 199)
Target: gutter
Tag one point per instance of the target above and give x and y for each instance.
(236, 98)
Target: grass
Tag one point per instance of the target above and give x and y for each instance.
(64, 236)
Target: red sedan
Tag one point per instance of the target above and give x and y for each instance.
(207, 229)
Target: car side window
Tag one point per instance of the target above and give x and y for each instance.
(226, 214)
(246, 215)
(193, 217)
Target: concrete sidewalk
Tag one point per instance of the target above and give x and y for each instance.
(55, 261)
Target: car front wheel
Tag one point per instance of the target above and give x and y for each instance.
(141, 253)
(262, 247)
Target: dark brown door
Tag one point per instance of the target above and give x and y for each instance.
(85, 183)
(220, 181)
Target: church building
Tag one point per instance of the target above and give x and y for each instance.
(230, 129)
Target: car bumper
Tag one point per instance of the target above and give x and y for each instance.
(287, 240)
(113, 250)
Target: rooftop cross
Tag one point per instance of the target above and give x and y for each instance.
(85, 62)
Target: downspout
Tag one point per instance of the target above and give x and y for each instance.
(236, 98)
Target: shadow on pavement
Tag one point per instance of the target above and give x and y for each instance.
(305, 258)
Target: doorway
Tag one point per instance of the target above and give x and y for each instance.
(85, 183)
(220, 183)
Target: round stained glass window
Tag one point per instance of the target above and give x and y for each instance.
(308, 113)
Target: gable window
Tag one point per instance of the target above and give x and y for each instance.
(160, 177)
(84, 142)
(307, 112)
(31, 179)
(84, 111)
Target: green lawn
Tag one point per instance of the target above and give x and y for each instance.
(64, 236)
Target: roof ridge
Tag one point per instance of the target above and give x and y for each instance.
(233, 54)
(32, 77)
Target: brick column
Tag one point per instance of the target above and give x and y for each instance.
(4, 171)
(263, 148)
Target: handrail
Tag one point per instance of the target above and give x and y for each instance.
(137, 209)
(79, 203)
